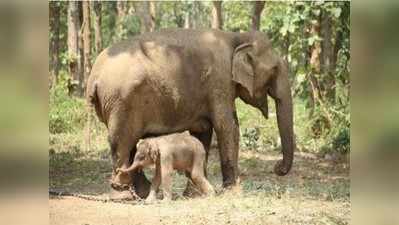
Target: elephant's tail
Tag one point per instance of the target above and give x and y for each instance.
(91, 95)
(93, 100)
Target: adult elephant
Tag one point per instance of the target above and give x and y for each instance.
(182, 79)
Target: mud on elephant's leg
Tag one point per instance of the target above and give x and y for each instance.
(206, 139)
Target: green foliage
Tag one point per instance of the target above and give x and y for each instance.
(250, 137)
(66, 112)
(320, 125)
(236, 16)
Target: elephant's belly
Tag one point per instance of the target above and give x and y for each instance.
(198, 125)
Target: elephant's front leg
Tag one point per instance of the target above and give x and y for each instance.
(226, 126)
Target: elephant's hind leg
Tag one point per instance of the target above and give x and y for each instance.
(123, 137)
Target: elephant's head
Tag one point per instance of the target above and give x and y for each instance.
(259, 72)
(146, 155)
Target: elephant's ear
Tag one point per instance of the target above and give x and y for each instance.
(242, 68)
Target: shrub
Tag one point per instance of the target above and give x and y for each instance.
(250, 137)
(66, 113)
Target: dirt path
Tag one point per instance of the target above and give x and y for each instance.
(315, 192)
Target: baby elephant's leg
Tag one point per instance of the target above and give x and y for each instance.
(166, 179)
(156, 181)
(202, 183)
(199, 179)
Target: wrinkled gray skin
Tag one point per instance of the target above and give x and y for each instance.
(177, 151)
(182, 79)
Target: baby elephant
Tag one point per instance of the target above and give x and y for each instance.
(179, 151)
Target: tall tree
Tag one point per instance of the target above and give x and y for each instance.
(121, 12)
(192, 15)
(316, 84)
(87, 63)
(327, 56)
(74, 55)
(153, 12)
(179, 20)
(86, 40)
(256, 13)
(54, 17)
(217, 18)
(146, 12)
(96, 8)
(314, 63)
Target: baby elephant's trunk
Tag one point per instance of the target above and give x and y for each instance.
(132, 168)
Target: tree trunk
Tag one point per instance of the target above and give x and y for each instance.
(121, 7)
(187, 20)
(86, 40)
(87, 63)
(195, 15)
(96, 8)
(178, 19)
(217, 19)
(74, 55)
(153, 13)
(256, 13)
(315, 51)
(146, 12)
(54, 17)
(327, 57)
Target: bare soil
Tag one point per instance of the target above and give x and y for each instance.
(316, 191)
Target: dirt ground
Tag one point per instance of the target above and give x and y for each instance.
(315, 192)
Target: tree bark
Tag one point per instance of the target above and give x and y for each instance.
(327, 57)
(96, 8)
(314, 64)
(146, 13)
(86, 40)
(178, 18)
(153, 12)
(121, 9)
(74, 55)
(217, 19)
(54, 17)
(256, 13)
(187, 20)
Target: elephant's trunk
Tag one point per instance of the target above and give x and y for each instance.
(285, 123)
(132, 168)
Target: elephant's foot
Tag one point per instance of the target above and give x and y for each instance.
(234, 187)
(124, 195)
(281, 169)
(191, 191)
